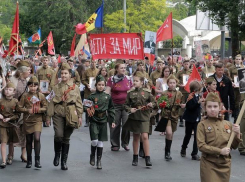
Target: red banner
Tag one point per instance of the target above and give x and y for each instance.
(116, 46)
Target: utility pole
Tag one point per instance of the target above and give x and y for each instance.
(124, 11)
(222, 50)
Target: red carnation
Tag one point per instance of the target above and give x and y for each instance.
(170, 95)
(2, 107)
(153, 87)
(5, 52)
(96, 106)
(163, 104)
(4, 56)
(29, 98)
(157, 97)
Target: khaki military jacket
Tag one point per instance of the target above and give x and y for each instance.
(213, 134)
(174, 114)
(8, 110)
(208, 70)
(26, 103)
(58, 106)
(85, 79)
(137, 98)
(46, 74)
(155, 75)
(179, 76)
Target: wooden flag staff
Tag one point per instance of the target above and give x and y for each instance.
(239, 118)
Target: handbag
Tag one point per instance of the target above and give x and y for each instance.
(162, 124)
(71, 117)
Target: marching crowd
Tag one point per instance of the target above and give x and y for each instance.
(132, 96)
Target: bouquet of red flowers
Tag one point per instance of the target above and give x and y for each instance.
(162, 101)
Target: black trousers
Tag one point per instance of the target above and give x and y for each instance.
(189, 127)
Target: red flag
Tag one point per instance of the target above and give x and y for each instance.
(151, 58)
(14, 38)
(165, 32)
(59, 61)
(194, 76)
(50, 44)
(72, 53)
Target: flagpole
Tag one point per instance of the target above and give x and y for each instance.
(17, 34)
(89, 45)
(172, 50)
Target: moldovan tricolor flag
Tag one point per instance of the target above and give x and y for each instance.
(36, 37)
(194, 76)
(50, 44)
(95, 21)
(15, 37)
(165, 32)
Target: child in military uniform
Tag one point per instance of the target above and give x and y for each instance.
(139, 103)
(33, 105)
(102, 107)
(170, 113)
(66, 110)
(8, 116)
(213, 135)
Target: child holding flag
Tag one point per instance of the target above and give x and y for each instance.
(213, 135)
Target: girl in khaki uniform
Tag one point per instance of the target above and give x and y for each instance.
(7, 130)
(139, 103)
(32, 104)
(170, 113)
(66, 110)
(213, 134)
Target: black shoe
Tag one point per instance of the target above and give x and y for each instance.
(29, 162)
(3, 165)
(183, 152)
(135, 160)
(44, 125)
(181, 123)
(195, 157)
(99, 156)
(92, 155)
(64, 156)
(141, 150)
(23, 159)
(167, 156)
(148, 161)
(37, 162)
(57, 150)
(86, 124)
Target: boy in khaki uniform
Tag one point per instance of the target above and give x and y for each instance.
(157, 73)
(46, 73)
(233, 72)
(7, 130)
(91, 72)
(185, 71)
(65, 104)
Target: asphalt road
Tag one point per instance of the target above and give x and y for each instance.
(116, 165)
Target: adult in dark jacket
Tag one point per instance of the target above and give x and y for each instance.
(225, 88)
(192, 117)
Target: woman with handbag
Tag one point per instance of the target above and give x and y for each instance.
(170, 106)
(66, 110)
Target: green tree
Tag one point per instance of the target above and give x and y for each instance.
(228, 13)
(147, 15)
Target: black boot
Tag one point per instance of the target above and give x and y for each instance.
(167, 150)
(99, 155)
(92, 155)
(57, 150)
(181, 124)
(64, 156)
(183, 152)
(135, 160)
(29, 162)
(37, 162)
(141, 150)
(148, 161)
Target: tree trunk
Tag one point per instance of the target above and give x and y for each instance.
(234, 41)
